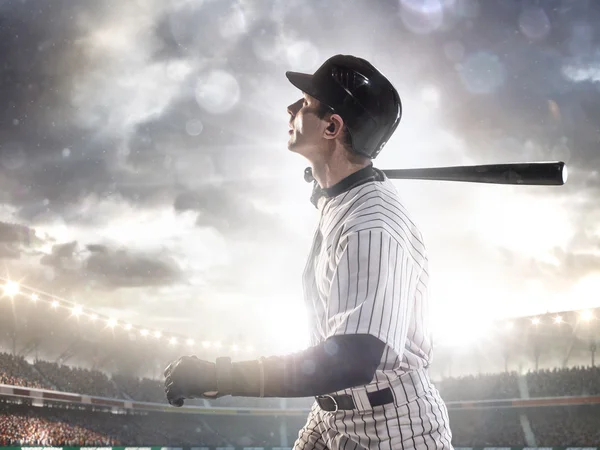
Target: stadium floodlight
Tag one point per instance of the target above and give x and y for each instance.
(93, 317)
(535, 321)
(144, 332)
(173, 340)
(157, 334)
(558, 320)
(234, 347)
(190, 342)
(206, 344)
(11, 288)
(54, 304)
(111, 323)
(128, 326)
(34, 297)
(586, 315)
(76, 310)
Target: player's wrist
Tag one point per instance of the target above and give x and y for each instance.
(247, 379)
(223, 375)
(243, 379)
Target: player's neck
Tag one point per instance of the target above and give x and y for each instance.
(329, 173)
(334, 167)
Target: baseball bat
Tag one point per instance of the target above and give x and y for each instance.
(531, 173)
(553, 173)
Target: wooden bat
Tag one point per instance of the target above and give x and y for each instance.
(552, 173)
(532, 173)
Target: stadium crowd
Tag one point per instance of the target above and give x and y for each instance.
(16, 371)
(78, 380)
(17, 429)
(25, 425)
(556, 382)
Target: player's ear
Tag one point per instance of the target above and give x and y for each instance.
(334, 128)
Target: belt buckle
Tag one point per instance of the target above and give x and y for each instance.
(334, 402)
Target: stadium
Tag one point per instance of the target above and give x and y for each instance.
(75, 378)
(150, 210)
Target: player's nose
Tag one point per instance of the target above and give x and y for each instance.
(294, 108)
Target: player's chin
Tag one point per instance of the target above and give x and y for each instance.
(292, 145)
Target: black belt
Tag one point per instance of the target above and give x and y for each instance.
(333, 403)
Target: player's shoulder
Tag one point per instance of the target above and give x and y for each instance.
(374, 199)
(378, 207)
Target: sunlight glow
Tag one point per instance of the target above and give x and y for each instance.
(287, 325)
(529, 225)
(464, 331)
(11, 288)
(76, 310)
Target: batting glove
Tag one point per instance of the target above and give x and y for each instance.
(190, 377)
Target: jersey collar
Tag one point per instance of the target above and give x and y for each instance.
(357, 178)
(362, 176)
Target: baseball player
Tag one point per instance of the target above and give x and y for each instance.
(365, 285)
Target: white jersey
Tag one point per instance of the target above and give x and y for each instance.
(367, 274)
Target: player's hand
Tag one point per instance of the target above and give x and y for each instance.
(190, 377)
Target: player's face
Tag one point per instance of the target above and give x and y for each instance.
(306, 128)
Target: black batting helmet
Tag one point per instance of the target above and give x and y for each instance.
(362, 96)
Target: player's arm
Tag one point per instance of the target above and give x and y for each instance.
(367, 310)
(340, 362)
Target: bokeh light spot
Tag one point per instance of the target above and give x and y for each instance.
(302, 55)
(217, 91)
(234, 24)
(194, 127)
(534, 23)
(422, 16)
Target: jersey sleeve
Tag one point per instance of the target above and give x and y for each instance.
(373, 288)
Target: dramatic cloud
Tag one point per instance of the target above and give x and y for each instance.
(16, 239)
(144, 168)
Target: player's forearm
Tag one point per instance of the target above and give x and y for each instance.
(339, 363)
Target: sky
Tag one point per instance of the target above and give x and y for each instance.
(145, 173)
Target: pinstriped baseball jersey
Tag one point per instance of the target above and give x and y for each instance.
(367, 274)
